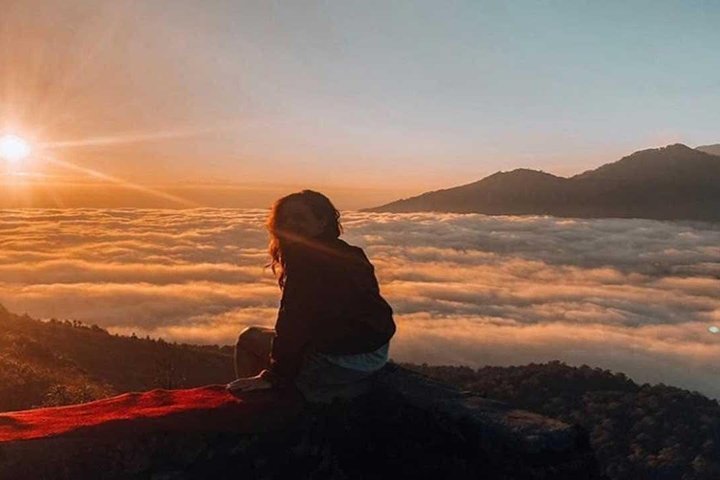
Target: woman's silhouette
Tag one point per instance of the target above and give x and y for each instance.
(333, 326)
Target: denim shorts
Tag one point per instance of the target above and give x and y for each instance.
(321, 380)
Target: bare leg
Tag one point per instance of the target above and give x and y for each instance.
(252, 351)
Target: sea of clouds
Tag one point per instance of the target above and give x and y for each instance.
(637, 296)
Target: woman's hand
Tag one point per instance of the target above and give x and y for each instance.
(249, 384)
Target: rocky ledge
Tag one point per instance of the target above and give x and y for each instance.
(402, 424)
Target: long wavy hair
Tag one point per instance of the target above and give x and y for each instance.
(322, 208)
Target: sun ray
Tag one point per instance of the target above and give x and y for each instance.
(121, 182)
(54, 196)
(133, 137)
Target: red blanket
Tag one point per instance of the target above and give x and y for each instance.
(209, 408)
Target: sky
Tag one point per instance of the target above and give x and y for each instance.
(232, 103)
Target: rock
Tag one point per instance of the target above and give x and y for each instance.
(495, 423)
(404, 425)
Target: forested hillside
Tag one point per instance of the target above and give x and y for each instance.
(63, 362)
(637, 431)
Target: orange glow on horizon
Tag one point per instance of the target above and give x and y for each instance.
(121, 182)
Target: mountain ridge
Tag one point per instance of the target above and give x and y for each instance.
(667, 183)
(711, 149)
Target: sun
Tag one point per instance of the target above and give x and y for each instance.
(13, 148)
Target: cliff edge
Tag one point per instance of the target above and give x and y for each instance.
(405, 424)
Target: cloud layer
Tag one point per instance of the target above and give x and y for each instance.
(632, 295)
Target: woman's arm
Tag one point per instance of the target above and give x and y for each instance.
(300, 306)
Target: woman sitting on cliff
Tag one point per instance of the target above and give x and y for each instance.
(333, 327)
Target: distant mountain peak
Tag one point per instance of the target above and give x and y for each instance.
(526, 172)
(652, 163)
(710, 149)
(673, 150)
(518, 176)
(674, 147)
(670, 182)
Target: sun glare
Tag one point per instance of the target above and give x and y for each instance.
(13, 148)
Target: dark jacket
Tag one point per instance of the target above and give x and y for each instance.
(330, 303)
